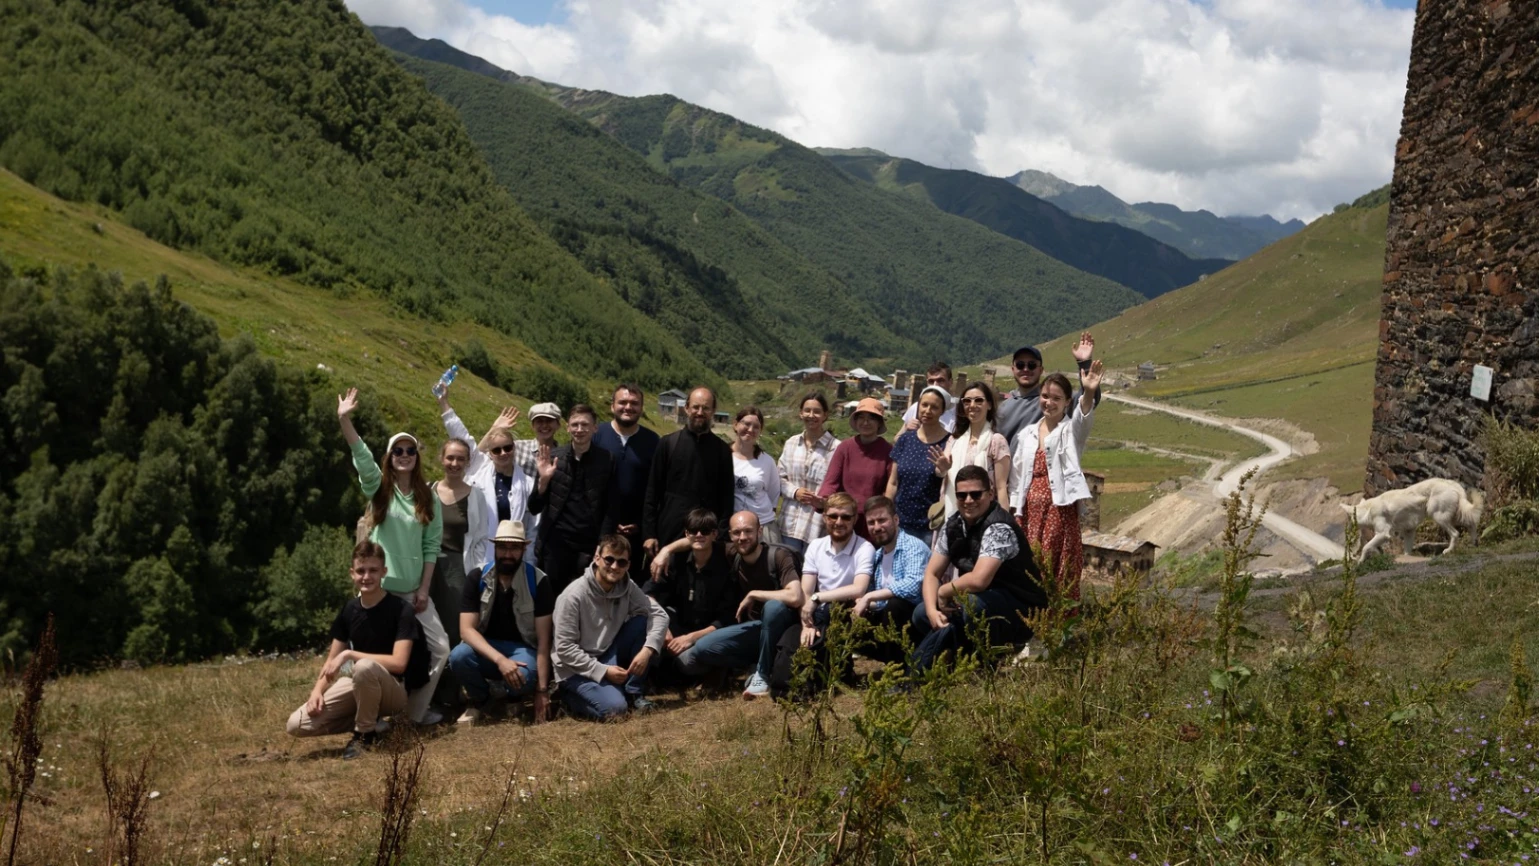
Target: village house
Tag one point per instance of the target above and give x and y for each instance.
(1108, 556)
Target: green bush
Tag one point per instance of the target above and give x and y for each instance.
(1512, 461)
(1511, 521)
(303, 589)
(544, 385)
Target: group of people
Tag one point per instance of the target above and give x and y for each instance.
(590, 571)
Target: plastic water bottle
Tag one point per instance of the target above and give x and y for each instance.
(446, 380)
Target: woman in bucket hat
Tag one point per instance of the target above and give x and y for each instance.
(861, 463)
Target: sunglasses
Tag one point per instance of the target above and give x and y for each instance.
(501, 450)
(1026, 365)
(974, 401)
(616, 561)
(697, 532)
(839, 518)
(404, 451)
(969, 495)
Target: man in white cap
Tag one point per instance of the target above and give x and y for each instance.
(505, 628)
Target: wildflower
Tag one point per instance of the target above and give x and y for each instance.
(1412, 851)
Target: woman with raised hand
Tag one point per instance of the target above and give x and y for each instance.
(494, 472)
(463, 547)
(756, 479)
(803, 465)
(406, 519)
(1046, 477)
(975, 444)
(913, 484)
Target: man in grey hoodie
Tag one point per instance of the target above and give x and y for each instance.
(607, 631)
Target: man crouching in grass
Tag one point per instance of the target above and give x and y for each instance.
(607, 632)
(377, 635)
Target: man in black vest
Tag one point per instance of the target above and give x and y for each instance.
(573, 495)
(994, 568)
(505, 628)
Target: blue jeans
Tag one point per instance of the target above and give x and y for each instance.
(1003, 612)
(735, 647)
(475, 671)
(602, 699)
(778, 619)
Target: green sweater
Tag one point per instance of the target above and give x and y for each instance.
(407, 543)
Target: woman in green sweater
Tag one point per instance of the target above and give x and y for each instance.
(406, 519)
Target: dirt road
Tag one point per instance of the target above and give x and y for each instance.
(1311, 543)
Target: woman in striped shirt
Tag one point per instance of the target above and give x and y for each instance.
(803, 463)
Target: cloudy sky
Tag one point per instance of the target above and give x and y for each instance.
(1236, 106)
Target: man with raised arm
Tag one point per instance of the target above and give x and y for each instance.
(995, 571)
(691, 469)
(506, 615)
(572, 496)
(607, 632)
(377, 655)
(1022, 406)
(632, 446)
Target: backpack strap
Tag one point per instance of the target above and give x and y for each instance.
(529, 575)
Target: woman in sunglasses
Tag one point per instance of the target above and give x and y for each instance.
(493, 470)
(1046, 477)
(975, 443)
(406, 519)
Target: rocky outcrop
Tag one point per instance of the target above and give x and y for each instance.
(1463, 244)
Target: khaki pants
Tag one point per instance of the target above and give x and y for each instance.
(352, 703)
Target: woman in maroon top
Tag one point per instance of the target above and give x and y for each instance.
(861, 463)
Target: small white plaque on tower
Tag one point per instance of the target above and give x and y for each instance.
(1480, 383)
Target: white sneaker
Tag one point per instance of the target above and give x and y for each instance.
(430, 718)
(756, 687)
(471, 716)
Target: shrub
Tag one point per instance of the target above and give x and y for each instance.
(544, 385)
(1512, 462)
(302, 590)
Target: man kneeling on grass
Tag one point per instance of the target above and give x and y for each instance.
(377, 655)
(607, 631)
(505, 629)
(994, 568)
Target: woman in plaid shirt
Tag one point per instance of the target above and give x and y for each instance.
(803, 464)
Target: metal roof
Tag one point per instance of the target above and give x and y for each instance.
(1119, 543)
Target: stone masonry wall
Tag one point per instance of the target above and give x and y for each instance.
(1463, 247)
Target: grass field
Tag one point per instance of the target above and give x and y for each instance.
(726, 782)
(1290, 333)
(1132, 478)
(364, 340)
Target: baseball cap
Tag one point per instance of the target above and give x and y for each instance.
(1030, 350)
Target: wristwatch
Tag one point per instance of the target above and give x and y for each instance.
(814, 598)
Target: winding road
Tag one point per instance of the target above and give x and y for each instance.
(1305, 539)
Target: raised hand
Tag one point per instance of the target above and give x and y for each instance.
(1085, 348)
(545, 464)
(506, 418)
(940, 458)
(1091, 378)
(347, 403)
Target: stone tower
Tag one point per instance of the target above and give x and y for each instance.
(1462, 256)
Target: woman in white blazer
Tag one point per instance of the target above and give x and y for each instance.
(1046, 482)
(494, 473)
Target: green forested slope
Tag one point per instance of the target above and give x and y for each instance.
(954, 287)
(744, 302)
(1116, 252)
(278, 135)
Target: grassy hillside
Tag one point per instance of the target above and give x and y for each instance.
(743, 302)
(1199, 234)
(1118, 253)
(1290, 333)
(281, 137)
(364, 341)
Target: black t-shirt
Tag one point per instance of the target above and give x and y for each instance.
(503, 624)
(376, 629)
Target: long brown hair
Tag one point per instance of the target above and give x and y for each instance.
(422, 498)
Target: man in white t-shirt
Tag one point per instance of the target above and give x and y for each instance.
(836, 568)
(938, 375)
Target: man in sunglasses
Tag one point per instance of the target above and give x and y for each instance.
(607, 632)
(698, 591)
(995, 571)
(505, 629)
(1021, 406)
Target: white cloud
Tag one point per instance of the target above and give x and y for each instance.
(1236, 106)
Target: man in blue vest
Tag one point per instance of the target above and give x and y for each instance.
(505, 629)
(995, 570)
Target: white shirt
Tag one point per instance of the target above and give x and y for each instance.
(482, 475)
(756, 486)
(835, 569)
